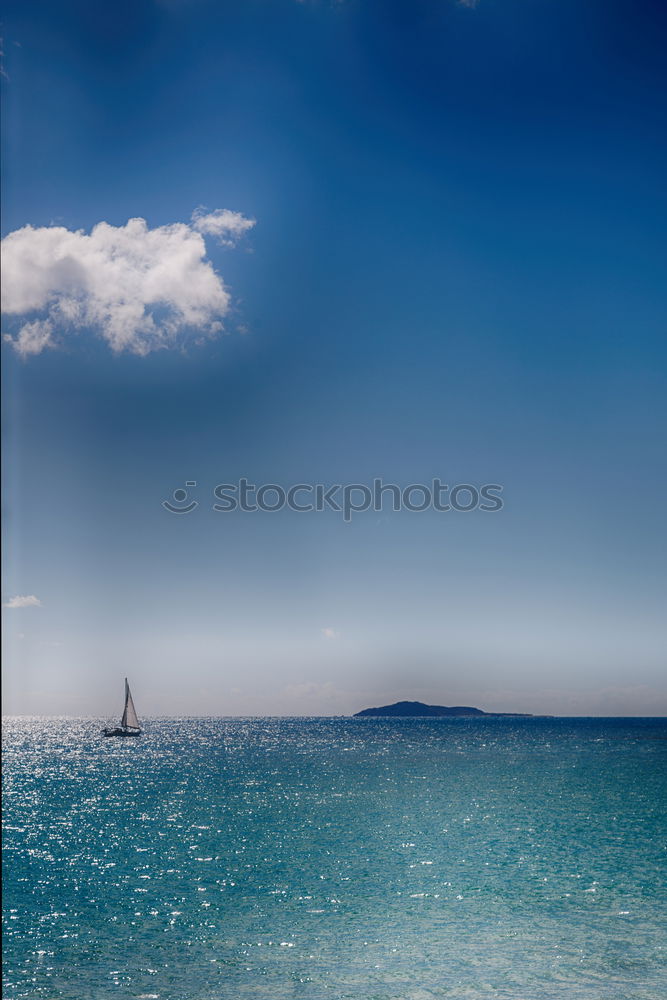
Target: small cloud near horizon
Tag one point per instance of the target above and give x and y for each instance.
(330, 633)
(23, 601)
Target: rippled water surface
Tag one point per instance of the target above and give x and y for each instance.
(336, 858)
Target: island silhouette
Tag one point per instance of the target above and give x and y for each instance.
(419, 709)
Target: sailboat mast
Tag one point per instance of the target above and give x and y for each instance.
(129, 712)
(129, 723)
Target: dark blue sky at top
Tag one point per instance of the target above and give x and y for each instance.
(457, 271)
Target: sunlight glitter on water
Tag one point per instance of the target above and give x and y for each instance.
(449, 858)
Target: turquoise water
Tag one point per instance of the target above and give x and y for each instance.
(372, 859)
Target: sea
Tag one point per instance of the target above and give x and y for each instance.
(336, 859)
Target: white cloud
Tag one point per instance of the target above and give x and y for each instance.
(140, 289)
(228, 227)
(26, 601)
(330, 633)
(32, 337)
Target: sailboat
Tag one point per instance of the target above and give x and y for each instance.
(129, 723)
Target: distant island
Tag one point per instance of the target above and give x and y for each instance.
(417, 709)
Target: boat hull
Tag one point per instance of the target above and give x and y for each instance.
(117, 731)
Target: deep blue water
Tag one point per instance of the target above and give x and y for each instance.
(325, 859)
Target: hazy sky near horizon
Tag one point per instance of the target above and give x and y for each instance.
(427, 241)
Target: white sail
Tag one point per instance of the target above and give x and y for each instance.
(129, 714)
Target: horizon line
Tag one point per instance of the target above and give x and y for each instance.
(437, 718)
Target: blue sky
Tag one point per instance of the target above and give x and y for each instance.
(456, 269)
